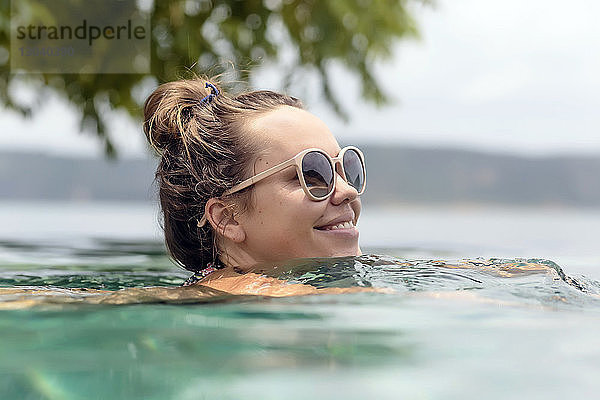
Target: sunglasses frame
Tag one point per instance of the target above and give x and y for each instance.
(297, 162)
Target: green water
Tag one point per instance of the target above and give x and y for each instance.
(485, 331)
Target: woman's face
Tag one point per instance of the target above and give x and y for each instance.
(282, 222)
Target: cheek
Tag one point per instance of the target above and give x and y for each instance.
(304, 211)
(287, 211)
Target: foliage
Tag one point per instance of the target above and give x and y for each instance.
(204, 36)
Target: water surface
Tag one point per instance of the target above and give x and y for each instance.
(503, 327)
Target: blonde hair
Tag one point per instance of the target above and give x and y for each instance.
(205, 148)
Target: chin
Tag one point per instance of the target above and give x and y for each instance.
(348, 252)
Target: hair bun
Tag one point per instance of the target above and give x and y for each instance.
(170, 106)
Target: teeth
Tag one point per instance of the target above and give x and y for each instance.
(343, 225)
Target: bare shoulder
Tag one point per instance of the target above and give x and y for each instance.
(255, 284)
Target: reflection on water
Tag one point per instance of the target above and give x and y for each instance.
(125, 272)
(79, 320)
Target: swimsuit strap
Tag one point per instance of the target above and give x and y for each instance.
(199, 275)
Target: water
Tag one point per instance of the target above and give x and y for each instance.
(500, 328)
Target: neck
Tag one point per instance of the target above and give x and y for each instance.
(234, 255)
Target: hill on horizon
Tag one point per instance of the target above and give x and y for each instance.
(395, 175)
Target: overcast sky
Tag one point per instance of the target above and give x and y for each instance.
(497, 75)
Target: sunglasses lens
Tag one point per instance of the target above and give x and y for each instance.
(318, 174)
(353, 166)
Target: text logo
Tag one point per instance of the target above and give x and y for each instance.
(71, 36)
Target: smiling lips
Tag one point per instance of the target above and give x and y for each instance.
(345, 222)
(341, 225)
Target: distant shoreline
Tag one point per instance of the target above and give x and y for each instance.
(396, 175)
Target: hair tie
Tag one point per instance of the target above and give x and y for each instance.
(214, 93)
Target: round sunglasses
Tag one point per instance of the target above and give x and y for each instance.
(316, 172)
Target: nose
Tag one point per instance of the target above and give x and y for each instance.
(343, 192)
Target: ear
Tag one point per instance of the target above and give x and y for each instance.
(221, 217)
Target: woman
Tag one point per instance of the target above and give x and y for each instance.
(247, 182)
(250, 179)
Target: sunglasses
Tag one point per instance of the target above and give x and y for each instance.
(316, 172)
